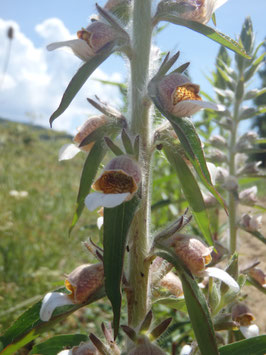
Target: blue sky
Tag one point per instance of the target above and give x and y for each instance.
(35, 18)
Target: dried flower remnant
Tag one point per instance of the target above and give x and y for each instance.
(242, 315)
(180, 97)
(83, 282)
(118, 183)
(69, 151)
(90, 40)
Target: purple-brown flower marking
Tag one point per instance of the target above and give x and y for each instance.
(242, 315)
(194, 253)
(84, 281)
(90, 40)
(69, 151)
(172, 283)
(203, 10)
(121, 174)
(87, 128)
(258, 275)
(117, 184)
(180, 97)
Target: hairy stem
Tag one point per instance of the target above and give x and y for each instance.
(140, 124)
(232, 204)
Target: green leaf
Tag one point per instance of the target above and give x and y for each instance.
(89, 171)
(197, 307)
(251, 346)
(175, 303)
(80, 78)
(58, 343)
(191, 191)
(254, 68)
(29, 326)
(209, 32)
(256, 234)
(117, 221)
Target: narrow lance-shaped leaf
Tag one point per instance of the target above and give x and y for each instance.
(89, 171)
(29, 326)
(197, 307)
(54, 345)
(209, 32)
(117, 221)
(80, 78)
(191, 191)
(255, 346)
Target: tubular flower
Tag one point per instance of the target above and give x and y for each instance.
(68, 151)
(89, 42)
(196, 256)
(242, 315)
(83, 282)
(248, 196)
(118, 183)
(145, 347)
(251, 223)
(203, 10)
(180, 97)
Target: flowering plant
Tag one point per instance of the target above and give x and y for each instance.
(136, 265)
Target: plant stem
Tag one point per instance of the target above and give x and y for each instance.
(140, 124)
(232, 204)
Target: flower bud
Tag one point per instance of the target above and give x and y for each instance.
(118, 183)
(248, 196)
(258, 275)
(209, 200)
(246, 141)
(242, 315)
(217, 156)
(82, 349)
(90, 40)
(180, 97)
(84, 281)
(120, 8)
(218, 141)
(10, 32)
(230, 183)
(251, 223)
(172, 283)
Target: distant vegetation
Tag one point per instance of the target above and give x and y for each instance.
(35, 249)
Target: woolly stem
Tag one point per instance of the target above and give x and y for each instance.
(140, 124)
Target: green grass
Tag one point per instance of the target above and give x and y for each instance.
(35, 249)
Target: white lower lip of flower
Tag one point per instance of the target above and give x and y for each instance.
(223, 276)
(78, 46)
(250, 331)
(98, 199)
(99, 222)
(186, 350)
(51, 301)
(65, 352)
(189, 107)
(213, 171)
(68, 151)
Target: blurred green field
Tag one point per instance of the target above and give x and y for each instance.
(35, 249)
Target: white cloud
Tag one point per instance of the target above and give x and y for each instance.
(36, 79)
